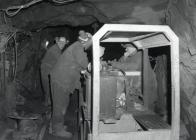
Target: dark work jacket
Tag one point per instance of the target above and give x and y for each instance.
(49, 60)
(66, 72)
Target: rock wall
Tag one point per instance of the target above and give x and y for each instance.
(181, 17)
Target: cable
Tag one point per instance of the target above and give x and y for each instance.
(13, 10)
(16, 56)
(63, 1)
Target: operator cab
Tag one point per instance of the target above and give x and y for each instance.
(126, 95)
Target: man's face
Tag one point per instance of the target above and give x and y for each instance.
(61, 42)
(83, 35)
(129, 50)
(86, 39)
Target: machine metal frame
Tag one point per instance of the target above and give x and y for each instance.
(162, 36)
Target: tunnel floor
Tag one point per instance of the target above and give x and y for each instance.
(8, 127)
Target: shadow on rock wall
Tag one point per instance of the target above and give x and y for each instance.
(181, 16)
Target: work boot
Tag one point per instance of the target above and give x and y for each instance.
(59, 130)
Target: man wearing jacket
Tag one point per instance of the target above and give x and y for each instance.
(49, 60)
(65, 77)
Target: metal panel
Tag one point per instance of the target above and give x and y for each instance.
(108, 86)
(108, 89)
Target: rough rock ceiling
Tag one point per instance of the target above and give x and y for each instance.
(85, 12)
(180, 16)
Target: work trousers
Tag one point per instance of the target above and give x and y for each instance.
(60, 102)
(46, 88)
(45, 78)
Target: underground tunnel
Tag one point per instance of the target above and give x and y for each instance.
(29, 29)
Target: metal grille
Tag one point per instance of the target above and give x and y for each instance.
(151, 121)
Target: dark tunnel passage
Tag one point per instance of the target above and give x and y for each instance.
(27, 33)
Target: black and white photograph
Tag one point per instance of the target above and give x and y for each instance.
(97, 70)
